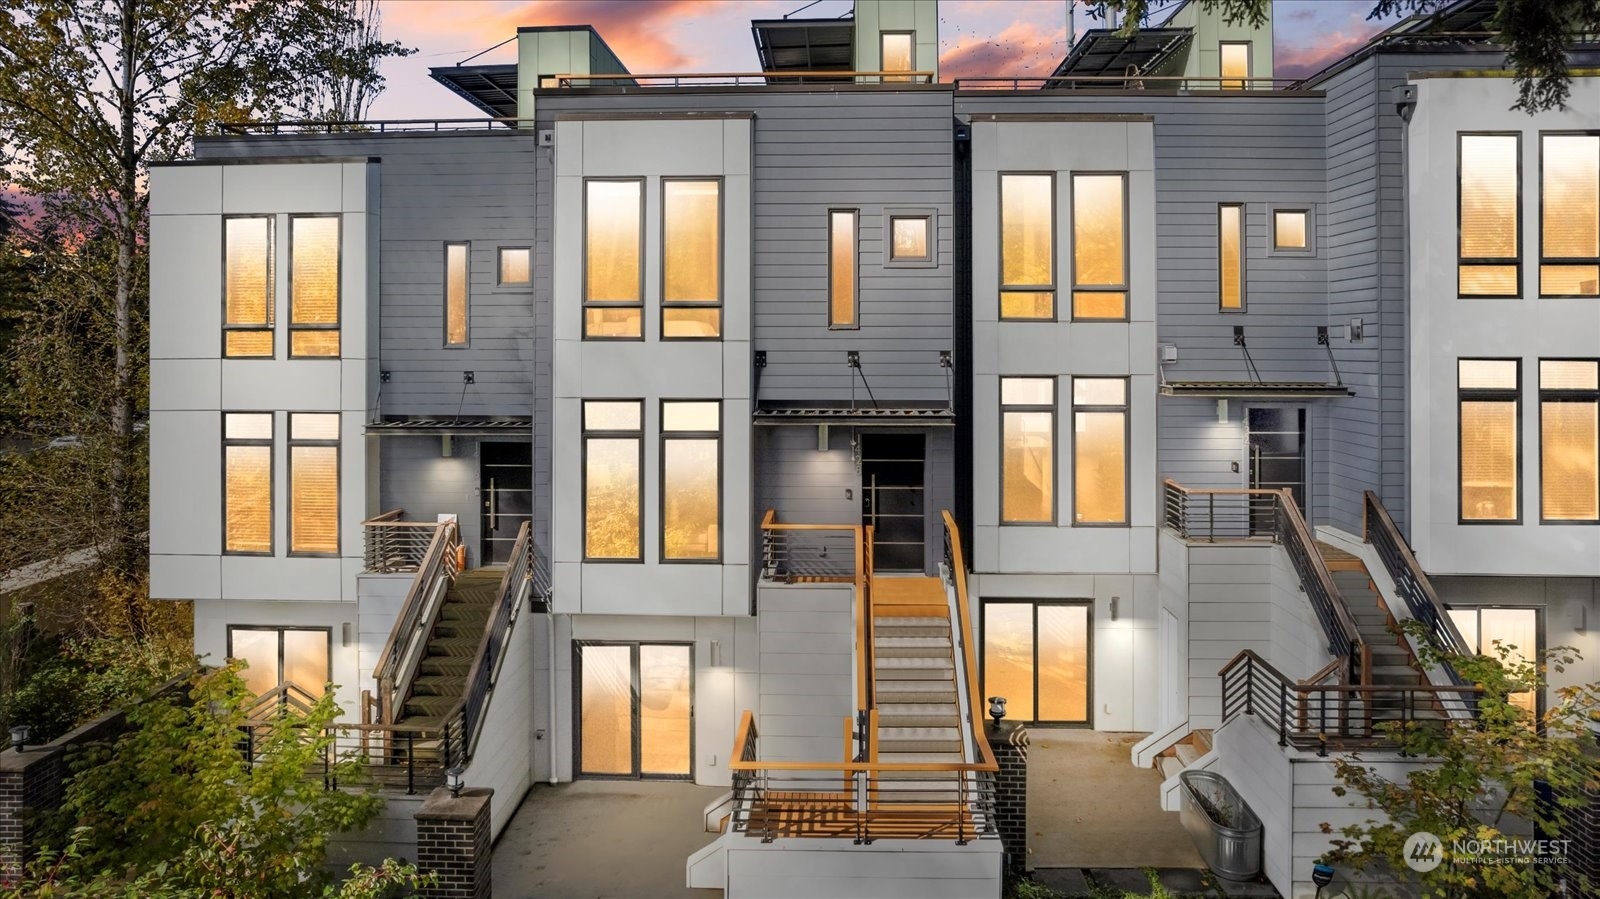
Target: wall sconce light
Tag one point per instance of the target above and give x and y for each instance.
(822, 438)
(1115, 602)
(19, 736)
(997, 708)
(446, 449)
(1222, 411)
(344, 634)
(455, 779)
(716, 653)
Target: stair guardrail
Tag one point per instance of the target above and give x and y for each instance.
(1412, 583)
(397, 663)
(387, 757)
(826, 554)
(956, 569)
(491, 653)
(391, 544)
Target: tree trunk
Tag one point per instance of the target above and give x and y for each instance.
(124, 554)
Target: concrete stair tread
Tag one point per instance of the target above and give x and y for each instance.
(898, 734)
(893, 709)
(919, 758)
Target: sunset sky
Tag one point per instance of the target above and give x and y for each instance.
(976, 37)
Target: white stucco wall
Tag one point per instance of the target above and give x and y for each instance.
(1445, 328)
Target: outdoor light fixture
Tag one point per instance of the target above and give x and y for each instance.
(1222, 411)
(1321, 875)
(455, 780)
(1115, 601)
(997, 708)
(19, 736)
(344, 634)
(445, 449)
(716, 653)
(822, 438)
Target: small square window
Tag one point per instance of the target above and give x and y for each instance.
(1291, 231)
(909, 236)
(516, 266)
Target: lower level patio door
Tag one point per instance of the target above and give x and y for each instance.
(635, 709)
(1037, 655)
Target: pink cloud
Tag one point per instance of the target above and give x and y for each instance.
(1023, 48)
(1300, 60)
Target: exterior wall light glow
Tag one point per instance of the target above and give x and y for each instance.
(1222, 411)
(455, 779)
(19, 736)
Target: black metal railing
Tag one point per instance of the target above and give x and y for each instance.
(397, 663)
(806, 552)
(491, 650)
(371, 756)
(1411, 583)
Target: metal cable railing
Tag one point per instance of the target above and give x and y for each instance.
(1412, 583)
(491, 650)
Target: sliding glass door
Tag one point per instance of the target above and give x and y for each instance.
(1036, 655)
(635, 709)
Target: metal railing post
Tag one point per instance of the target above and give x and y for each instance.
(411, 763)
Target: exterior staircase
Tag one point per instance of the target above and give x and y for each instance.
(1393, 664)
(914, 686)
(441, 679)
(1184, 753)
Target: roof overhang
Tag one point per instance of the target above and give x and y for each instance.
(805, 45)
(915, 416)
(492, 89)
(509, 426)
(1101, 52)
(1282, 390)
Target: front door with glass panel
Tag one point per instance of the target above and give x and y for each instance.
(635, 709)
(1277, 440)
(891, 499)
(1516, 630)
(282, 655)
(505, 476)
(1036, 655)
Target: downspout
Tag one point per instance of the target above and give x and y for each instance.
(550, 630)
(1405, 97)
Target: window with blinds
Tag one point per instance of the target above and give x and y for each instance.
(247, 483)
(1490, 222)
(1569, 440)
(248, 288)
(1488, 398)
(613, 486)
(613, 259)
(1569, 226)
(314, 285)
(1099, 247)
(1027, 246)
(1230, 256)
(1027, 450)
(1100, 451)
(313, 483)
(691, 259)
(691, 480)
(457, 284)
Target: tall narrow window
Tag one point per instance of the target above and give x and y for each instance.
(1230, 260)
(1234, 64)
(1099, 247)
(1028, 455)
(515, 266)
(247, 270)
(1488, 398)
(1490, 220)
(1100, 450)
(247, 482)
(843, 310)
(613, 456)
(1569, 439)
(313, 483)
(314, 285)
(691, 479)
(613, 254)
(457, 287)
(898, 54)
(1027, 246)
(1569, 227)
(691, 259)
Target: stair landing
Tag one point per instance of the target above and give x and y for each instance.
(909, 597)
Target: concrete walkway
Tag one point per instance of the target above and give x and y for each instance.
(1088, 807)
(599, 839)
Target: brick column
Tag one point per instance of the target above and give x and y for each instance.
(1010, 745)
(453, 842)
(31, 782)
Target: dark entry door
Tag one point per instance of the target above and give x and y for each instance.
(891, 499)
(1277, 457)
(505, 478)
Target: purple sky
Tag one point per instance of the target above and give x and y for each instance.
(976, 37)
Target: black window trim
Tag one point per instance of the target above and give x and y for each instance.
(1127, 262)
(291, 442)
(272, 481)
(1463, 262)
(722, 254)
(1561, 260)
(1055, 249)
(1055, 448)
(583, 260)
(1562, 395)
(271, 324)
(1483, 394)
(661, 476)
(338, 287)
(1126, 410)
(637, 435)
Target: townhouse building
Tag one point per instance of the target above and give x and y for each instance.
(714, 428)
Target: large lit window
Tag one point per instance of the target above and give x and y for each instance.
(1235, 64)
(1100, 450)
(897, 54)
(457, 289)
(313, 483)
(1488, 631)
(1490, 219)
(282, 655)
(1027, 246)
(1569, 439)
(691, 258)
(1230, 256)
(1099, 247)
(1569, 228)
(1488, 398)
(247, 482)
(613, 456)
(314, 285)
(691, 478)
(613, 259)
(842, 306)
(247, 270)
(1027, 444)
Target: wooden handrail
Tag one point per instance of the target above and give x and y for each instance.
(1371, 504)
(1325, 577)
(958, 564)
(565, 78)
(1308, 687)
(390, 517)
(863, 626)
(1223, 491)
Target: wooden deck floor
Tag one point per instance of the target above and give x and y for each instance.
(909, 596)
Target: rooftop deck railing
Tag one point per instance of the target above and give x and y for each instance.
(732, 79)
(358, 128)
(1171, 84)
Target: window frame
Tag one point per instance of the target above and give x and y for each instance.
(1126, 409)
(499, 269)
(1244, 256)
(1484, 394)
(1463, 261)
(1233, 83)
(1559, 260)
(338, 483)
(855, 288)
(280, 629)
(270, 327)
(1127, 262)
(466, 297)
(583, 260)
(337, 327)
(272, 482)
(1310, 214)
(1561, 395)
(661, 476)
(583, 506)
(911, 40)
(1054, 409)
(1053, 288)
(722, 261)
(1089, 654)
(929, 217)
